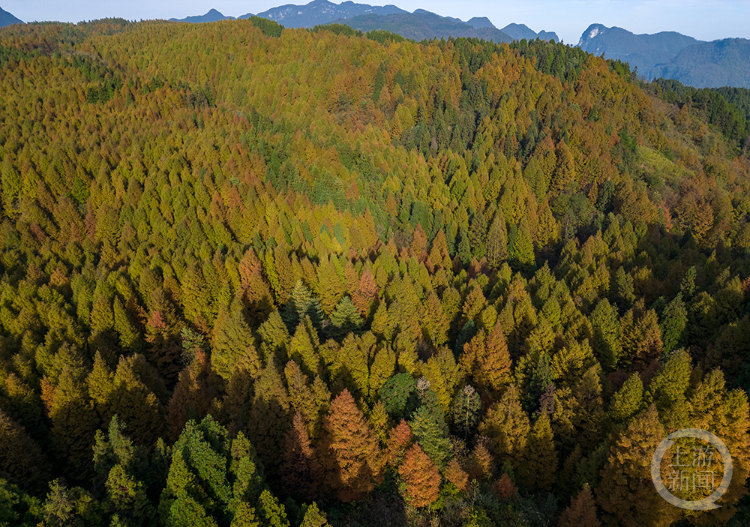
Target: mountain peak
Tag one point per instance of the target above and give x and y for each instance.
(7, 19)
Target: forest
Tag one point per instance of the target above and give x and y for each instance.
(257, 276)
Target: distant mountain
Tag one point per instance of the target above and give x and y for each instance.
(710, 64)
(519, 31)
(7, 19)
(212, 16)
(423, 25)
(480, 21)
(641, 51)
(320, 12)
(548, 35)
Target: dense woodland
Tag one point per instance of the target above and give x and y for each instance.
(254, 276)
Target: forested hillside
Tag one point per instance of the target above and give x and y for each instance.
(255, 276)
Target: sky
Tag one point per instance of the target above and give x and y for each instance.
(702, 19)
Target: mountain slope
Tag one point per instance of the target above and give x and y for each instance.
(7, 19)
(212, 16)
(519, 31)
(423, 25)
(320, 12)
(641, 51)
(710, 64)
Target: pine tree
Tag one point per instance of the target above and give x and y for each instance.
(456, 475)
(421, 477)
(466, 411)
(345, 319)
(674, 324)
(493, 362)
(429, 430)
(313, 517)
(400, 439)
(606, 334)
(21, 459)
(301, 472)
(627, 401)
(351, 455)
(621, 493)
(233, 343)
(507, 426)
(270, 417)
(302, 303)
(521, 248)
(192, 396)
(74, 422)
(538, 468)
(581, 512)
(497, 242)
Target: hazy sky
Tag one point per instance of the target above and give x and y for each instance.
(702, 19)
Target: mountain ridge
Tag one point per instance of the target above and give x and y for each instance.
(7, 18)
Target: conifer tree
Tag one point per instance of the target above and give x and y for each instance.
(192, 396)
(21, 459)
(313, 516)
(345, 319)
(400, 439)
(538, 468)
(233, 342)
(421, 477)
(674, 324)
(627, 401)
(507, 426)
(581, 512)
(302, 303)
(621, 493)
(301, 471)
(606, 334)
(351, 455)
(497, 242)
(74, 422)
(466, 410)
(429, 430)
(270, 417)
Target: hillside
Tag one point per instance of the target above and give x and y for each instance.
(255, 275)
(710, 64)
(320, 12)
(423, 25)
(7, 19)
(641, 51)
(212, 16)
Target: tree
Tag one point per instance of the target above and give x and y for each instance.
(233, 343)
(345, 319)
(399, 440)
(270, 417)
(301, 472)
(351, 455)
(581, 512)
(521, 248)
(74, 423)
(627, 401)
(466, 410)
(497, 242)
(399, 396)
(507, 426)
(429, 430)
(538, 468)
(674, 324)
(606, 334)
(621, 493)
(302, 303)
(313, 517)
(21, 459)
(421, 477)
